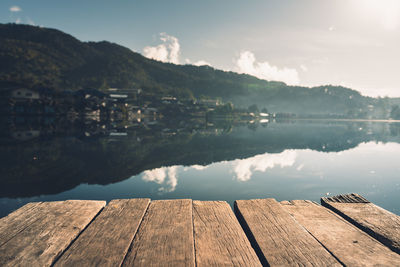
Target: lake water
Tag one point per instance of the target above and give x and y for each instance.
(283, 160)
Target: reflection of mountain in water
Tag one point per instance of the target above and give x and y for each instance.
(52, 157)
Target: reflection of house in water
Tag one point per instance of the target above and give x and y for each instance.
(25, 135)
(118, 96)
(169, 100)
(24, 94)
(92, 115)
(118, 134)
(209, 131)
(150, 111)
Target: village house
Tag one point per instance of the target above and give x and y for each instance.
(211, 103)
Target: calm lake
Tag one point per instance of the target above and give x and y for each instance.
(46, 160)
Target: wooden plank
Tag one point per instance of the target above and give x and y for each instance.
(377, 222)
(278, 239)
(17, 221)
(347, 243)
(348, 198)
(165, 236)
(107, 239)
(48, 233)
(219, 239)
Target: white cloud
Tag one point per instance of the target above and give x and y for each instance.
(164, 175)
(244, 168)
(332, 28)
(198, 63)
(15, 9)
(26, 21)
(201, 63)
(247, 64)
(168, 51)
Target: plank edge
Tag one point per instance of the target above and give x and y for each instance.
(57, 257)
(380, 238)
(249, 234)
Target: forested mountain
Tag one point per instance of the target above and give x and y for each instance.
(40, 57)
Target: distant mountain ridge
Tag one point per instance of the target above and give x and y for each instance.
(41, 57)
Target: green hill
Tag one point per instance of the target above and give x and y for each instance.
(41, 57)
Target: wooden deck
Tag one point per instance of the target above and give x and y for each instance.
(348, 231)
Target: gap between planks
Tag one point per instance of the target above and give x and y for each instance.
(207, 225)
(278, 238)
(349, 244)
(56, 223)
(372, 219)
(102, 243)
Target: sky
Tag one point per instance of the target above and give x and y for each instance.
(353, 43)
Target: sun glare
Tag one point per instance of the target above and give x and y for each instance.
(385, 12)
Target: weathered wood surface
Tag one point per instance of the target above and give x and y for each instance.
(18, 220)
(280, 240)
(377, 222)
(106, 240)
(47, 233)
(202, 233)
(348, 198)
(219, 239)
(347, 243)
(165, 236)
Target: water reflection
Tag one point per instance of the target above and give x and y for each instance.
(370, 169)
(244, 168)
(166, 176)
(48, 159)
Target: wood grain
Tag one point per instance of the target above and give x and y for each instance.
(348, 198)
(349, 244)
(377, 222)
(219, 239)
(278, 238)
(48, 232)
(165, 236)
(18, 220)
(107, 239)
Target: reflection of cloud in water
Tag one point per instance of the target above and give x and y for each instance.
(167, 175)
(244, 168)
(196, 167)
